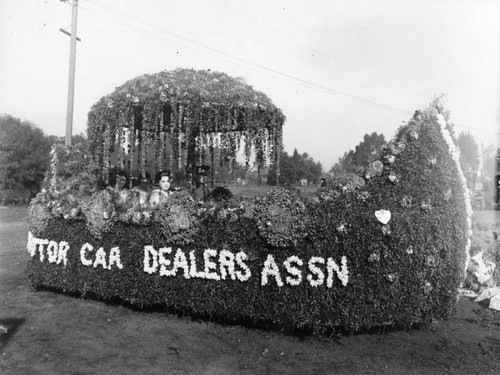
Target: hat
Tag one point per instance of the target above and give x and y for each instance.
(202, 170)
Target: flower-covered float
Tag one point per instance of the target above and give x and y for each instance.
(388, 248)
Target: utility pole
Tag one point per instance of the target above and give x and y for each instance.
(71, 81)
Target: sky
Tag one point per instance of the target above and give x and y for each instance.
(338, 69)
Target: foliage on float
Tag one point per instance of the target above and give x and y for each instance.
(69, 182)
(170, 120)
(281, 217)
(390, 247)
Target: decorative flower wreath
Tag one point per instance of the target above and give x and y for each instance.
(179, 218)
(100, 213)
(281, 217)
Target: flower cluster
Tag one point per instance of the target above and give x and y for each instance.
(176, 110)
(179, 219)
(214, 265)
(54, 252)
(319, 269)
(101, 258)
(100, 212)
(455, 155)
(281, 216)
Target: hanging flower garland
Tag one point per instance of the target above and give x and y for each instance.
(131, 143)
(184, 103)
(119, 138)
(106, 154)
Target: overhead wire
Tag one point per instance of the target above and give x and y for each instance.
(243, 62)
(15, 59)
(205, 49)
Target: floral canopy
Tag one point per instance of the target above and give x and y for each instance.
(176, 119)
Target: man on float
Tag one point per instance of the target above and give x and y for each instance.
(201, 192)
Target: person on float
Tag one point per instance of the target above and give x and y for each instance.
(118, 179)
(201, 192)
(141, 191)
(161, 194)
(122, 194)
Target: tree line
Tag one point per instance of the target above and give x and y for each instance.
(24, 158)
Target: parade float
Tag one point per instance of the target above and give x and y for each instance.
(390, 247)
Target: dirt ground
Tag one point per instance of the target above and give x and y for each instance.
(50, 333)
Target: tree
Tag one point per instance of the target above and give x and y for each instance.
(295, 168)
(469, 157)
(364, 153)
(24, 157)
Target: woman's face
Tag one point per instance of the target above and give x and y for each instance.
(120, 182)
(164, 183)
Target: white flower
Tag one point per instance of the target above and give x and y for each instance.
(150, 254)
(384, 216)
(31, 245)
(52, 250)
(316, 271)
(270, 269)
(390, 159)
(86, 247)
(240, 261)
(226, 264)
(342, 273)
(114, 258)
(295, 272)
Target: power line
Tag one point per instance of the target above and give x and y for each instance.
(35, 36)
(327, 30)
(247, 63)
(468, 128)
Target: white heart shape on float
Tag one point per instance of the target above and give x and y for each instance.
(384, 216)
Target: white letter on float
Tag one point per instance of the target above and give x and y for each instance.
(52, 251)
(193, 270)
(31, 246)
(271, 269)
(209, 265)
(343, 274)
(40, 243)
(316, 271)
(180, 261)
(86, 247)
(240, 261)
(297, 273)
(150, 252)
(226, 264)
(114, 258)
(61, 254)
(100, 258)
(164, 262)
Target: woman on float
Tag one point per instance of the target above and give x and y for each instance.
(122, 194)
(161, 194)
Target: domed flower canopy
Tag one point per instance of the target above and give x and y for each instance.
(176, 119)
